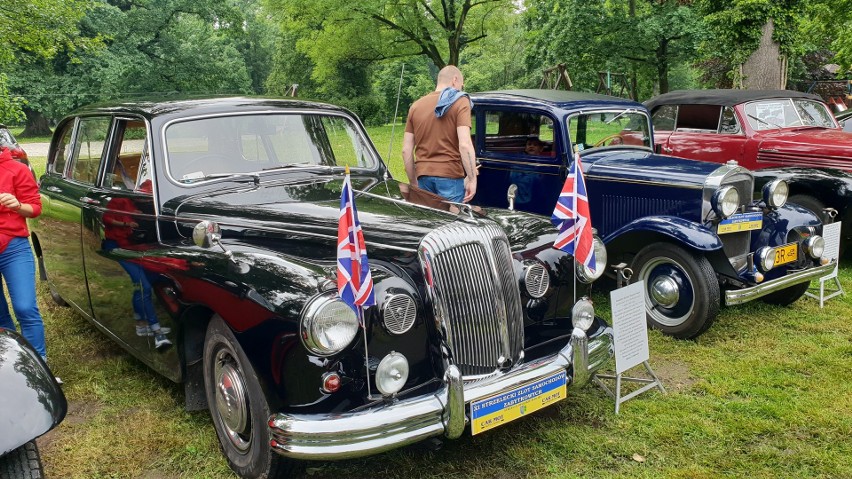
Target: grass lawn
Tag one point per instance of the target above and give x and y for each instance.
(763, 394)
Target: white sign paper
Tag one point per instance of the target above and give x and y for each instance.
(629, 326)
(831, 235)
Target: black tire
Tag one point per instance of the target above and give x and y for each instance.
(241, 419)
(682, 292)
(787, 296)
(22, 463)
(42, 275)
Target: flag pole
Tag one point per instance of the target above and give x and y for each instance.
(363, 324)
(576, 219)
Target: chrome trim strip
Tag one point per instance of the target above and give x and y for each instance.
(392, 425)
(641, 182)
(740, 296)
(524, 163)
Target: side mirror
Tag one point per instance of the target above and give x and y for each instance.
(206, 234)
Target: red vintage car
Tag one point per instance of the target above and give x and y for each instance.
(758, 128)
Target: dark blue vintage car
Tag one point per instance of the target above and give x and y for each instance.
(690, 230)
(201, 236)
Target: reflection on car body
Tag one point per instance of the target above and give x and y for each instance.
(231, 209)
(689, 230)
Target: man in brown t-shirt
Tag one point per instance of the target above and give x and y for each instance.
(445, 163)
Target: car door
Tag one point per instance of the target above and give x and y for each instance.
(502, 138)
(706, 133)
(71, 172)
(119, 228)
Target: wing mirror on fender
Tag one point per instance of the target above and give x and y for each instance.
(208, 233)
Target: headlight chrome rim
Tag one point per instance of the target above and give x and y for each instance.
(585, 274)
(392, 373)
(726, 200)
(815, 246)
(315, 328)
(583, 314)
(536, 279)
(775, 193)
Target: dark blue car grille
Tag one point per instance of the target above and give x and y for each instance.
(621, 210)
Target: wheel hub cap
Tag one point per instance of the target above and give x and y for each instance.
(231, 401)
(664, 291)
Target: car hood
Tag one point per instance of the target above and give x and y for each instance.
(392, 214)
(644, 166)
(817, 147)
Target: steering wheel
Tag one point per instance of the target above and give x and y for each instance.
(198, 164)
(615, 139)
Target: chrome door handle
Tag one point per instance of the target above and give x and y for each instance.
(89, 201)
(667, 150)
(53, 189)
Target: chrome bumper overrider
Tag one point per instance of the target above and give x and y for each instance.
(396, 424)
(740, 296)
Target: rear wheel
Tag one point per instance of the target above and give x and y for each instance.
(787, 296)
(22, 463)
(682, 292)
(238, 406)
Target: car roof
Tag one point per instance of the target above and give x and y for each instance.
(722, 97)
(560, 98)
(200, 106)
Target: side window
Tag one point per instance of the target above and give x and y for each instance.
(519, 133)
(664, 118)
(89, 148)
(699, 118)
(124, 166)
(60, 154)
(729, 125)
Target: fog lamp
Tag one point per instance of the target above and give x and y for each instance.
(765, 258)
(392, 373)
(815, 246)
(583, 314)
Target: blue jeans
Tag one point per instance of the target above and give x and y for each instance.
(143, 301)
(450, 188)
(17, 267)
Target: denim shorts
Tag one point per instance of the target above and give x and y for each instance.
(450, 188)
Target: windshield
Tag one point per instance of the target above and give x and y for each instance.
(609, 128)
(206, 148)
(786, 113)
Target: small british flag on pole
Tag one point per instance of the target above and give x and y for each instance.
(572, 217)
(354, 281)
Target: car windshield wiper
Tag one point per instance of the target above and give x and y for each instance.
(763, 121)
(629, 110)
(254, 177)
(299, 165)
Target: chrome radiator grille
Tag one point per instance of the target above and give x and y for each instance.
(475, 297)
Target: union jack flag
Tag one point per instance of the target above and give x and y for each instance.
(354, 281)
(571, 216)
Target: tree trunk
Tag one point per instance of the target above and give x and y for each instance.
(36, 124)
(764, 69)
(663, 65)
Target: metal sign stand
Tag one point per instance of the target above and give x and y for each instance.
(631, 340)
(831, 235)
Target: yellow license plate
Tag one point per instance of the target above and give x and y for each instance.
(786, 254)
(497, 410)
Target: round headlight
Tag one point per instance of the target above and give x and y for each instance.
(765, 258)
(328, 325)
(399, 313)
(775, 193)
(536, 279)
(583, 314)
(726, 200)
(584, 273)
(815, 246)
(392, 373)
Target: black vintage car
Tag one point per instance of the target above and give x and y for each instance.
(31, 403)
(201, 235)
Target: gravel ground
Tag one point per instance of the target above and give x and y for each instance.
(36, 149)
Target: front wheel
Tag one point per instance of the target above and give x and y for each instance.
(238, 406)
(787, 296)
(22, 463)
(681, 289)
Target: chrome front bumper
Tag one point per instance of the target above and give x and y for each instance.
(740, 296)
(395, 424)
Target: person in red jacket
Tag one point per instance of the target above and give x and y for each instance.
(19, 200)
